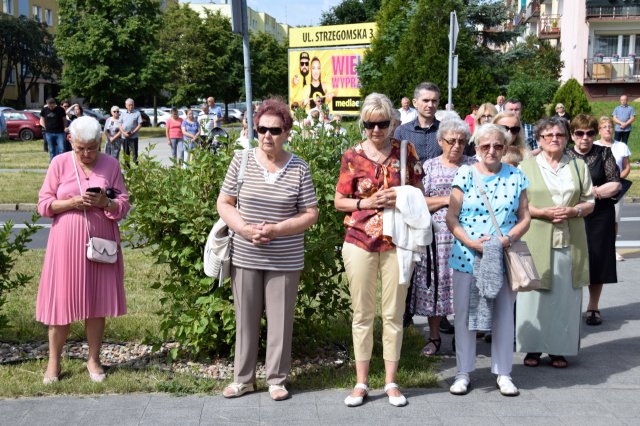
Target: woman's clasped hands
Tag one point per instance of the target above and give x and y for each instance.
(259, 233)
(384, 198)
(560, 214)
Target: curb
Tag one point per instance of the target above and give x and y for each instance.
(21, 207)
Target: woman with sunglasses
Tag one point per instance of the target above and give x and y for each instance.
(483, 115)
(476, 256)
(560, 196)
(517, 150)
(431, 285)
(275, 205)
(601, 224)
(112, 133)
(368, 173)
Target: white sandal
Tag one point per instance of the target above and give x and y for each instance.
(355, 401)
(278, 388)
(238, 389)
(396, 401)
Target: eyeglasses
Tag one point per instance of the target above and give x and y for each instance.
(275, 131)
(485, 148)
(304, 63)
(115, 111)
(514, 130)
(607, 127)
(460, 142)
(370, 125)
(582, 133)
(487, 116)
(85, 150)
(549, 136)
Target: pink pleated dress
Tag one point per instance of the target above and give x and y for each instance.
(72, 288)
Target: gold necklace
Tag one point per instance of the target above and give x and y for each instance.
(376, 154)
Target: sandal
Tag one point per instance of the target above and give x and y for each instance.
(426, 351)
(558, 361)
(234, 390)
(532, 359)
(593, 317)
(278, 392)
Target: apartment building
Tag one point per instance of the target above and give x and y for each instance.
(597, 39)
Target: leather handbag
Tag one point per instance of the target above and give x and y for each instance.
(99, 250)
(217, 250)
(522, 274)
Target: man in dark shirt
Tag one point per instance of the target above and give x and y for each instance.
(53, 121)
(422, 131)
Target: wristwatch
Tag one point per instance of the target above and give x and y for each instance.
(579, 211)
(510, 238)
(109, 203)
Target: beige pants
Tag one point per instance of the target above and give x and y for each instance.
(362, 269)
(255, 291)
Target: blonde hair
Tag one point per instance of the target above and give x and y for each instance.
(518, 150)
(379, 103)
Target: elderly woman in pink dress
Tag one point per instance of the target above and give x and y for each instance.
(73, 288)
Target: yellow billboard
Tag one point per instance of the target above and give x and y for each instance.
(332, 35)
(326, 73)
(323, 64)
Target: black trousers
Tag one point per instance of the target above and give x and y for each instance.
(130, 146)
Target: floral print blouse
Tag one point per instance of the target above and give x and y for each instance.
(360, 177)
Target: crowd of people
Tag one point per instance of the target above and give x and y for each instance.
(429, 206)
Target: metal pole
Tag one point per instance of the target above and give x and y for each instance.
(450, 83)
(247, 69)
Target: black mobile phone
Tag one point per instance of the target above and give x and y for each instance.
(95, 189)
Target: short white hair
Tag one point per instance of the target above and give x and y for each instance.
(129, 101)
(85, 129)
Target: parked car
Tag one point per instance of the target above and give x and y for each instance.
(23, 125)
(235, 115)
(163, 116)
(4, 108)
(89, 112)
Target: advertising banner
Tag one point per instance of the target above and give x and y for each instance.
(318, 72)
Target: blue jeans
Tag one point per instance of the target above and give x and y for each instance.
(175, 142)
(55, 143)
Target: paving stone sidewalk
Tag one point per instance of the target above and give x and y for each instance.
(600, 387)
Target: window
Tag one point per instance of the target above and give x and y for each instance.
(49, 17)
(37, 13)
(7, 6)
(606, 45)
(12, 78)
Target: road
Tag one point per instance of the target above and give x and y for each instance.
(629, 232)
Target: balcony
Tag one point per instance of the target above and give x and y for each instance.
(612, 70)
(532, 11)
(613, 13)
(549, 26)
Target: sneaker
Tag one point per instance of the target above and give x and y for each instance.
(506, 386)
(619, 257)
(460, 385)
(446, 327)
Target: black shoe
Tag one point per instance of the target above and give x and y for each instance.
(407, 320)
(487, 337)
(446, 327)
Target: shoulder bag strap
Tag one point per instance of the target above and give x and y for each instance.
(403, 161)
(480, 186)
(86, 222)
(575, 164)
(240, 180)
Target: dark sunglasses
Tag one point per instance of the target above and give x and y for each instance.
(514, 130)
(487, 147)
(370, 125)
(460, 142)
(581, 133)
(304, 63)
(275, 131)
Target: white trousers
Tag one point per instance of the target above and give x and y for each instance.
(502, 327)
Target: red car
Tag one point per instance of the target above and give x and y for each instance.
(23, 125)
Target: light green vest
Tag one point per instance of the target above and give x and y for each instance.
(539, 236)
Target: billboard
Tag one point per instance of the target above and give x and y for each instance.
(323, 61)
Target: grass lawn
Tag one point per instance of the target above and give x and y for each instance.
(20, 187)
(25, 378)
(598, 109)
(23, 155)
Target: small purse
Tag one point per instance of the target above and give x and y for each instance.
(99, 250)
(217, 250)
(522, 274)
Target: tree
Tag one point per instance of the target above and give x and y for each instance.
(351, 12)
(109, 49)
(26, 51)
(268, 66)
(572, 96)
(534, 92)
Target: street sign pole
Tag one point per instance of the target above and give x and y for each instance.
(240, 25)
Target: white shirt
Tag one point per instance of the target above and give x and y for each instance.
(408, 115)
(620, 150)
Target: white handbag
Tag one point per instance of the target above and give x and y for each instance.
(99, 250)
(217, 250)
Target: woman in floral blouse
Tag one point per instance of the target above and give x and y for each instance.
(368, 172)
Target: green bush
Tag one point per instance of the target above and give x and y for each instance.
(174, 211)
(534, 93)
(10, 248)
(572, 97)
